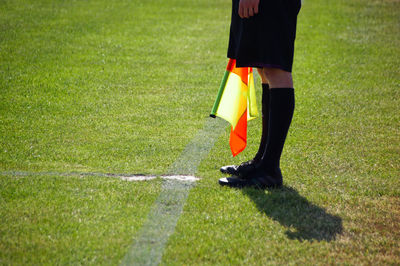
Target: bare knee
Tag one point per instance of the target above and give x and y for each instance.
(278, 78)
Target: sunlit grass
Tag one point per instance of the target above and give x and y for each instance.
(122, 87)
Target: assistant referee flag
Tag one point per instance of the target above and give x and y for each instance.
(236, 103)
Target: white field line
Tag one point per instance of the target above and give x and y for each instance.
(149, 244)
(125, 177)
(185, 178)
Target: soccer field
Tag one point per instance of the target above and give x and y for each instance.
(93, 91)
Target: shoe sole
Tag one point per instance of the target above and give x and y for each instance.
(225, 182)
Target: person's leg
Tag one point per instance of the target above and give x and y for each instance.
(245, 167)
(281, 106)
(278, 78)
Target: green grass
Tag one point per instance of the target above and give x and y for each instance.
(79, 92)
(57, 220)
(122, 87)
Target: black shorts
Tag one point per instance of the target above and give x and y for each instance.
(267, 38)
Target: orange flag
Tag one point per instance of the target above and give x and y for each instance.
(236, 103)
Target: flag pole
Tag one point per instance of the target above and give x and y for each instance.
(219, 95)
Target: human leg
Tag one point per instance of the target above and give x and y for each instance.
(267, 172)
(278, 78)
(244, 168)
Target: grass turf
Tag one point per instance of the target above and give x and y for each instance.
(340, 203)
(122, 86)
(74, 220)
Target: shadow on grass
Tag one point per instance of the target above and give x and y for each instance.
(304, 220)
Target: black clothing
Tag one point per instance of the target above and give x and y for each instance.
(281, 110)
(267, 172)
(267, 38)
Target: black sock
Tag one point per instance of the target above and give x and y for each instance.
(265, 118)
(281, 110)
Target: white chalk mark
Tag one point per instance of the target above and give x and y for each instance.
(181, 177)
(167, 177)
(149, 243)
(137, 178)
(125, 177)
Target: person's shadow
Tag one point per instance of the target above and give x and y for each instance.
(304, 220)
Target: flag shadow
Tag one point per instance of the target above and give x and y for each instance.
(303, 219)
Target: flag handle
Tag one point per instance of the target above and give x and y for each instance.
(219, 95)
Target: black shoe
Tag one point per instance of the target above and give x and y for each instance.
(267, 173)
(257, 179)
(239, 170)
